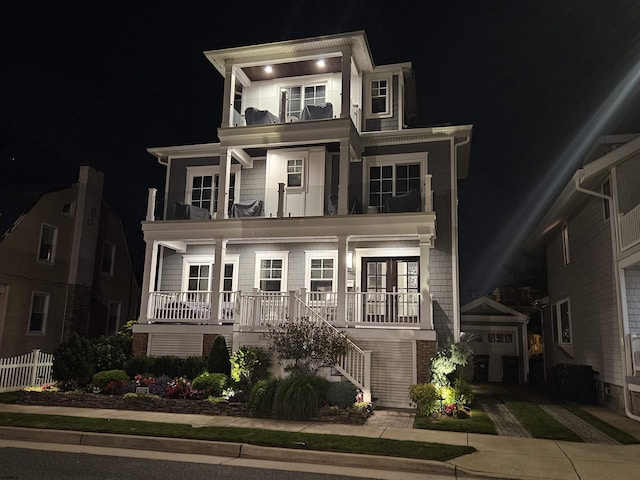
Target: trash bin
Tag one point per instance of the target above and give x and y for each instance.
(510, 369)
(481, 368)
(576, 383)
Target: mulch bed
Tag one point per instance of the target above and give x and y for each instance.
(168, 405)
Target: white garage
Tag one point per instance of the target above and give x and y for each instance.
(497, 335)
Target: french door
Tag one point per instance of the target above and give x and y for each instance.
(391, 286)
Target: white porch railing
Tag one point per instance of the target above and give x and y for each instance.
(635, 353)
(630, 228)
(30, 369)
(187, 307)
(383, 309)
(263, 309)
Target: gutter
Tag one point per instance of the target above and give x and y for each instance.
(614, 219)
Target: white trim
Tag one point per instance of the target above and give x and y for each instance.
(564, 232)
(189, 260)
(235, 261)
(556, 306)
(45, 316)
(320, 254)
(274, 255)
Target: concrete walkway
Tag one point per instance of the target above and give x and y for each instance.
(496, 456)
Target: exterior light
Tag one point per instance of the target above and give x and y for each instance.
(320, 63)
(268, 69)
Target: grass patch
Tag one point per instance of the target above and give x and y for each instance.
(606, 428)
(269, 438)
(539, 423)
(478, 422)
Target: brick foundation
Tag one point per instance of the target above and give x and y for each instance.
(139, 345)
(425, 350)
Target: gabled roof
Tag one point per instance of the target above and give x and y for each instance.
(615, 151)
(486, 306)
(17, 200)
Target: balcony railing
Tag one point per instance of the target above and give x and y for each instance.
(630, 228)
(635, 352)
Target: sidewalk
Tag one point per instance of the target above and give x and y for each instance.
(496, 456)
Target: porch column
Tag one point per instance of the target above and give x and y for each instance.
(227, 106)
(148, 279)
(151, 204)
(346, 83)
(343, 252)
(426, 320)
(343, 178)
(223, 185)
(220, 251)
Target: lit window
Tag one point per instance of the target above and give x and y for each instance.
(108, 258)
(561, 321)
(47, 250)
(39, 310)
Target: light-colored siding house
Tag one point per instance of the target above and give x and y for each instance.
(318, 202)
(591, 236)
(64, 266)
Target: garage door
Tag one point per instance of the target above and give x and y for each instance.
(496, 345)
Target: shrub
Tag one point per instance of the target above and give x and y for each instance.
(341, 394)
(218, 361)
(191, 367)
(262, 396)
(74, 361)
(211, 384)
(111, 352)
(299, 396)
(114, 387)
(166, 365)
(463, 394)
(138, 366)
(101, 379)
(425, 396)
(249, 365)
(181, 388)
(446, 361)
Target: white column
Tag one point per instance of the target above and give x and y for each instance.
(220, 250)
(343, 180)
(227, 106)
(426, 320)
(343, 251)
(223, 185)
(148, 279)
(151, 204)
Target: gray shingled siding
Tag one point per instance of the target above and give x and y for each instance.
(632, 281)
(253, 181)
(588, 280)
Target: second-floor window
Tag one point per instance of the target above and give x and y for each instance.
(380, 97)
(47, 248)
(561, 321)
(108, 258)
(203, 185)
(392, 180)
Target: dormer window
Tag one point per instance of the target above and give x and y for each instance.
(380, 97)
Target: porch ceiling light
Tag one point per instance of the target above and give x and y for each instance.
(268, 69)
(320, 63)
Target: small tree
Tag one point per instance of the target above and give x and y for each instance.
(249, 365)
(447, 361)
(73, 361)
(303, 347)
(218, 361)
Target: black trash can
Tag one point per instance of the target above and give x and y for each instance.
(576, 383)
(510, 369)
(481, 368)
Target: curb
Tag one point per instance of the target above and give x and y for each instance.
(235, 450)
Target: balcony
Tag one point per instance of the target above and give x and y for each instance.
(257, 311)
(630, 228)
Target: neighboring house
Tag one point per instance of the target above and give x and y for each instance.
(591, 236)
(318, 203)
(498, 334)
(64, 266)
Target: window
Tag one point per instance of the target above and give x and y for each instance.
(392, 180)
(295, 172)
(606, 190)
(113, 320)
(297, 97)
(203, 184)
(47, 250)
(271, 271)
(108, 258)
(565, 244)
(561, 321)
(39, 310)
(321, 274)
(380, 97)
(198, 279)
(500, 338)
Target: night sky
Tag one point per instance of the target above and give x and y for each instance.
(99, 82)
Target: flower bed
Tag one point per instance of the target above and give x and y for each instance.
(351, 416)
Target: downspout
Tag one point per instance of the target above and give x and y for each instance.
(456, 262)
(623, 349)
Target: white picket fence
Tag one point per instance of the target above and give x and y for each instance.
(30, 369)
